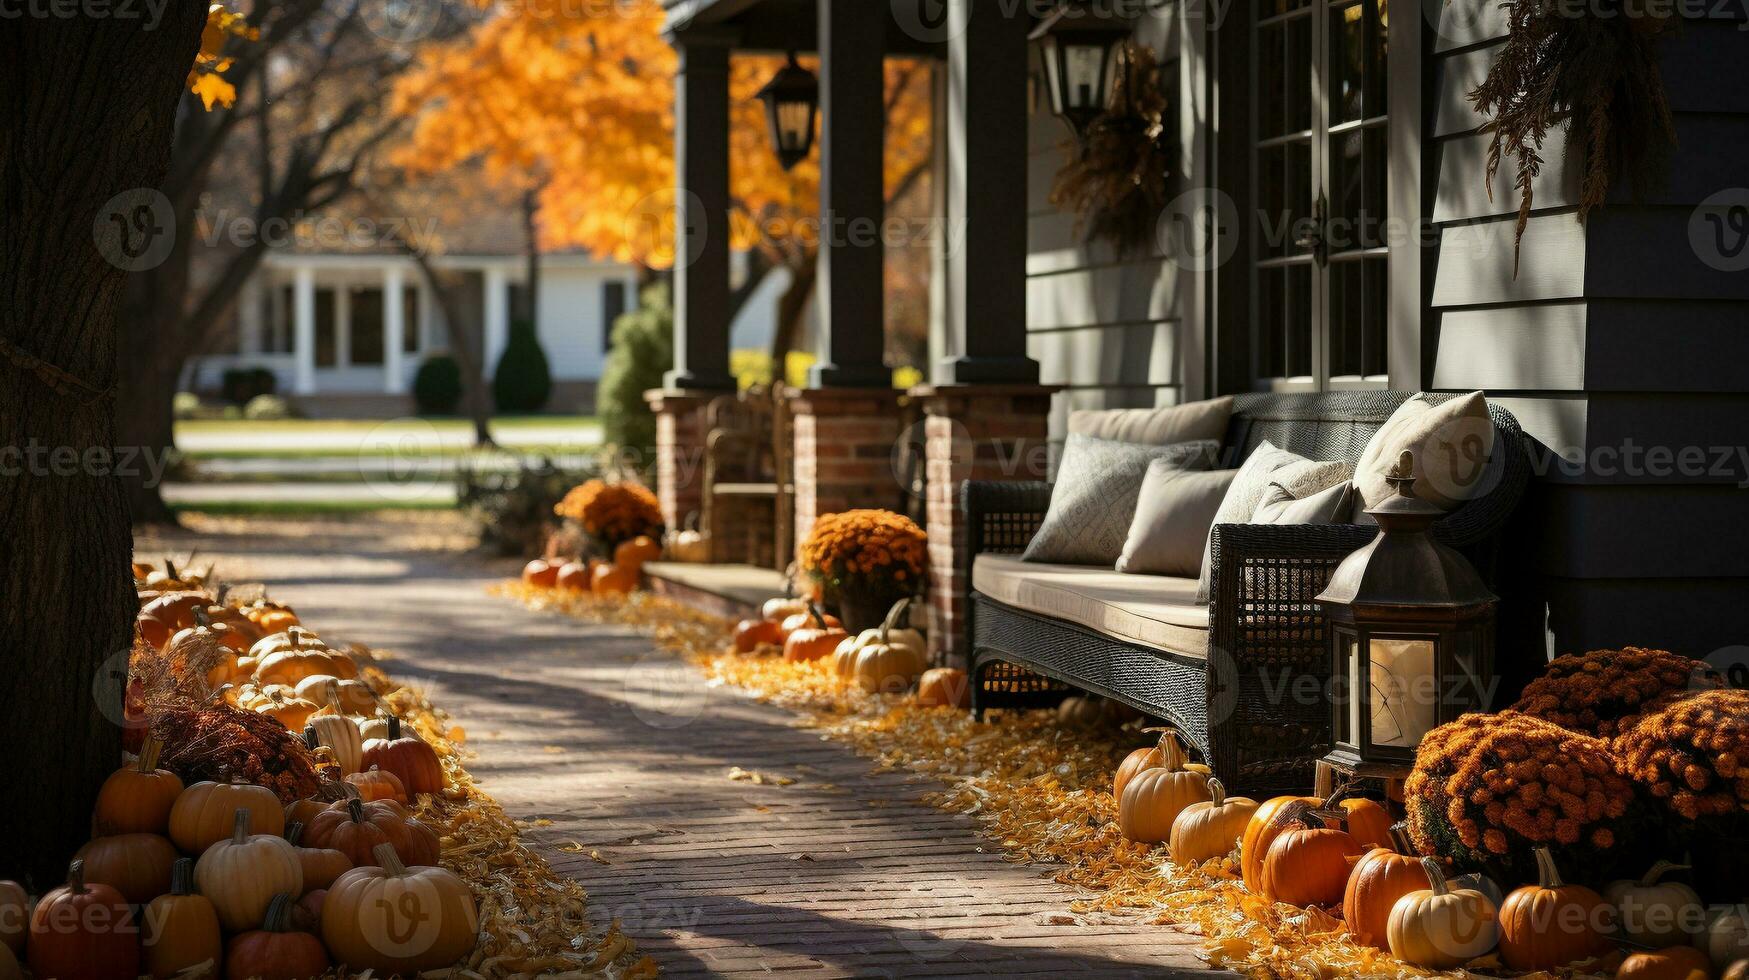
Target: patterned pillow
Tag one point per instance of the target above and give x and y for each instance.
(1094, 499)
(1268, 466)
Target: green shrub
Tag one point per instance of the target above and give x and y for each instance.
(642, 352)
(240, 386)
(186, 405)
(512, 510)
(267, 408)
(523, 381)
(437, 388)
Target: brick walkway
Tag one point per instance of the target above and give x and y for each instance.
(628, 754)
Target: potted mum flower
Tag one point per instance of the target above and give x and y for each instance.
(864, 561)
(610, 514)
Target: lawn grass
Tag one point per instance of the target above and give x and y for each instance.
(305, 508)
(579, 448)
(507, 423)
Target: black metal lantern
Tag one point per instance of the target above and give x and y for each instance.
(792, 100)
(1411, 635)
(1081, 58)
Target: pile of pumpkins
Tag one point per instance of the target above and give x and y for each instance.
(595, 576)
(886, 659)
(223, 874)
(1346, 854)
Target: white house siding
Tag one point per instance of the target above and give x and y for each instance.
(1113, 331)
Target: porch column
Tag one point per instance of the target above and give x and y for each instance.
(986, 196)
(497, 332)
(431, 337)
(701, 234)
(972, 432)
(852, 197)
(701, 275)
(249, 312)
(304, 330)
(343, 326)
(394, 330)
(844, 439)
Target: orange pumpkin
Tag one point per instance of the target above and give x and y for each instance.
(276, 951)
(812, 618)
(321, 864)
(137, 865)
(1153, 799)
(1674, 963)
(302, 811)
(540, 573)
(376, 784)
(364, 917)
(944, 687)
(1271, 820)
(1367, 821)
(1380, 877)
(1308, 865)
(82, 931)
(1551, 924)
(413, 762)
(815, 642)
(573, 577)
(169, 614)
(615, 579)
(349, 829)
(1142, 759)
(637, 551)
(205, 812)
(137, 799)
(14, 915)
(750, 634)
(182, 929)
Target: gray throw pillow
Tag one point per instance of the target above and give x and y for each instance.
(1173, 516)
(1157, 426)
(1267, 465)
(1328, 506)
(1094, 499)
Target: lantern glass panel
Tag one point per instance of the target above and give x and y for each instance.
(1348, 688)
(1402, 689)
(794, 123)
(1084, 65)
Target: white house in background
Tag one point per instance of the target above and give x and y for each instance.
(320, 323)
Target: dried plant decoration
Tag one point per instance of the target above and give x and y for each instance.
(1116, 181)
(1596, 68)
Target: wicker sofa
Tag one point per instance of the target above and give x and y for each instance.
(1244, 677)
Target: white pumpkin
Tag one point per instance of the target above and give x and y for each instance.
(1727, 936)
(778, 610)
(1438, 928)
(323, 689)
(342, 736)
(1657, 913)
(241, 874)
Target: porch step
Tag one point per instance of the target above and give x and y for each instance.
(735, 591)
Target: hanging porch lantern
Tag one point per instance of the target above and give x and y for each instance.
(792, 101)
(1081, 59)
(1412, 637)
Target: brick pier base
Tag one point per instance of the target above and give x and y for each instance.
(972, 432)
(680, 437)
(844, 440)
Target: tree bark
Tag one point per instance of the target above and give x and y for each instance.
(790, 308)
(461, 347)
(89, 112)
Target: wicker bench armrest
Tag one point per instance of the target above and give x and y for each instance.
(1002, 517)
(1243, 554)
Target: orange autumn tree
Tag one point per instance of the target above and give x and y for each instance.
(580, 106)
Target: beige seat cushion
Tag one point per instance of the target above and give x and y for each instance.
(1148, 610)
(1156, 426)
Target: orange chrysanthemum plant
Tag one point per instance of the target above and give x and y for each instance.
(612, 513)
(1604, 692)
(864, 561)
(1487, 790)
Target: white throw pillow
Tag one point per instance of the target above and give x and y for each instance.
(1452, 443)
(1157, 426)
(1173, 515)
(1330, 505)
(1267, 465)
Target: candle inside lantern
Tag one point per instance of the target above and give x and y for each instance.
(1403, 691)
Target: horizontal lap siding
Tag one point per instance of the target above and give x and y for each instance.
(1615, 343)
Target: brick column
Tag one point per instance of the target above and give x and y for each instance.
(844, 440)
(972, 432)
(680, 439)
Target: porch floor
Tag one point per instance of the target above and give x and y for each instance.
(622, 760)
(735, 591)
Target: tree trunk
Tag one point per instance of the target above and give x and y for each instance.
(790, 309)
(461, 347)
(88, 116)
